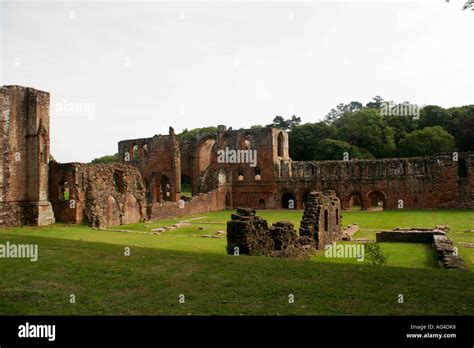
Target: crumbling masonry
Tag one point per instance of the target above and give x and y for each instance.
(321, 225)
(147, 184)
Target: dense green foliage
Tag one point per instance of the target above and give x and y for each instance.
(106, 159)
(196, 132)
(366, 132)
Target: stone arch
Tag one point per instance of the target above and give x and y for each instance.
(376, 200)
(165, 188)
(261, 203)
(134, 152)
(204, 153)
(63, 189)
(355, 201)
(186, 185)
(288, 200)
(144, 151)
(258, 174)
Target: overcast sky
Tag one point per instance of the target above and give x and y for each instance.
(124, 70)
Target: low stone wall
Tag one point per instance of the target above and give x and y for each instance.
(445, 251)
(447, 257)
(201, 204)
(408, 235)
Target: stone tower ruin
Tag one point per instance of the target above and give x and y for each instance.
(24, 157)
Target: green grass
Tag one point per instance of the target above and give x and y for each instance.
(91, 264)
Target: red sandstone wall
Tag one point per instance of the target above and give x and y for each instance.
(203, 203)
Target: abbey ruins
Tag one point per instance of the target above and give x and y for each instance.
(146, 185)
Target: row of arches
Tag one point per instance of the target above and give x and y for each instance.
(138, 152)
(372, 200)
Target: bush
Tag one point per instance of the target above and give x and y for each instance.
(374, 254)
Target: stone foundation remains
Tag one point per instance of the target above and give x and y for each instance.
(445, 251)
(321, 225)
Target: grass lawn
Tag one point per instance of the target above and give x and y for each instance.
(91, 265)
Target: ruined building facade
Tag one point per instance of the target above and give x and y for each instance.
(256, 172)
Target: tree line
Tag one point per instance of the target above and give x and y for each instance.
(365, 132)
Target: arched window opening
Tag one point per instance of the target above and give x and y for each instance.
(280, 144)
(258, 174)
(144, 151)
(63, 190)
(118, 182)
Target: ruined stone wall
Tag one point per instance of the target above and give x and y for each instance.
(248, 234)
(321, 225)
(101, 195)
(248, 184)
(158, 160)
(24, 157)
(322, 218)
(421, 182)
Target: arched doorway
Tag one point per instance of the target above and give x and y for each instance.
(165, 189)
(288, 201)
(376, 200)
(261, 203)
(186, 186)
(355, 202)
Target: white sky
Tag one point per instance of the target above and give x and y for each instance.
(142, 67)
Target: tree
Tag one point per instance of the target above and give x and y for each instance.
(106, 159)
(426, 142)
(195, 133)
(376, 103)
(401, 125)
(433, 115)
(304, 139)
(334, 114)
(331, 149)
(366, 130)
(289, 124)
(465, 139)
